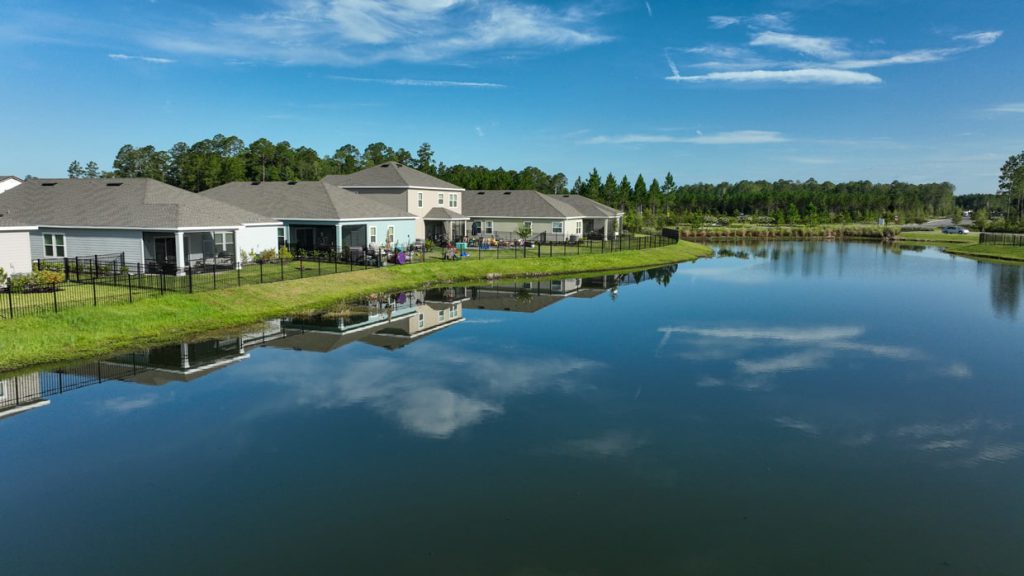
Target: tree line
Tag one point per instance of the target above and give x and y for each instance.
(221, 159)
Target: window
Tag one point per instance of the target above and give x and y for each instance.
(53, 245)
(224, 244)
(373, 234)
(440, 198)
(579, 227)
(280, 237)
(529, 226)
(421, 321)
(556, 227)
(440, 315)
(391, 235)
(453, 200)
(489, 227)
(455, 311)
(419, 199)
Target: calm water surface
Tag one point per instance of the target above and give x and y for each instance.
(791, 408)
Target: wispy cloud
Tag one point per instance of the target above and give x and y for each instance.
(829, 61)
(721, 138)
(799, 425)
(150, 59)
(358, 32)
(124, 405)
(1009, 108)
(425, 83)
(650, 11)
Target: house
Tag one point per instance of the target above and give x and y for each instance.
(20, 393)
(501, 213)
(320, 216)
(436, 204)
(145, 220)
(8, 182)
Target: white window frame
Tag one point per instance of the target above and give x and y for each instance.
(281, 238)
(54, 249)
(440, 198)
(220, 241)
(440, 315)
(373, 235)
(529, 225)
(421, 320)
(419, 199)
(453, 200)
(390, 238)
(558, 227)
(579, 227)
(489, 227)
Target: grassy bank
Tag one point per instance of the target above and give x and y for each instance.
(82, 333)
(847, 231)
(965, 245)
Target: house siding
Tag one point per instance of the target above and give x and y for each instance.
(405, 230)
(15, 251)
(505, 226)
(257, 238)
(81, 242)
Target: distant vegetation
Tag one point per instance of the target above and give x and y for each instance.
(214, 161)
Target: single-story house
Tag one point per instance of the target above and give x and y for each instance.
(436, 204)
(147, 221)
(319, 216)
(8, 182)
(501, 213)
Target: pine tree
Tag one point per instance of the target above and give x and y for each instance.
(75, 170)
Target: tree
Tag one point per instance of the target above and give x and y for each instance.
(1011, 183)
(639, 196)
(259, 154)
(377, 153)
(981, 218)
(347, 159)
(75, 170)
(92, 170)
(425, 159)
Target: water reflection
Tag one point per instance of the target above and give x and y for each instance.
(1007, 286)
(385, 321)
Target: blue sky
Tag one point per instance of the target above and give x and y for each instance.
(712, 91)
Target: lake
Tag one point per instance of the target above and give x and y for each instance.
(785, 408)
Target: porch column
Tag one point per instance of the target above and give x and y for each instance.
(238, 249)
(185, 364)
(179, 251)
(449, 227)
(606, 225)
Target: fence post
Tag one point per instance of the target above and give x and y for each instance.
(54, 287)
(238, 273)
(96, 266)
(300, 267)
(215, 274)
(129, 276)
(78, 270)
(10, 303)
(281, 261)
(188, 269)
(318, 260)
(95, 302)
(539, 246)
(67, 271)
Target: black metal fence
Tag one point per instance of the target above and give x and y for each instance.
(25, 390)
(102, 280)
(1002, 239)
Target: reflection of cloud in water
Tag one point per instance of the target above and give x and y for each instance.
(731, 275)
(957, 370)
(613, 443)
(787, 363)
(124, 405)
(945, 444)
(419, 391)
(799, 425)
(816, 346)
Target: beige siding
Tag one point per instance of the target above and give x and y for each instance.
(15, 252)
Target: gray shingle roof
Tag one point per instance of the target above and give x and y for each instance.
(530, 204)
(389, 175)
(589, 208)
(7, 177)
(302, 200)
(443, 214)
(118, 203)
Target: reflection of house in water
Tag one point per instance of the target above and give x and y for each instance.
(21, 393)
(526, 297)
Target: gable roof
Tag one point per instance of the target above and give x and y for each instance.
(439, 213)
(389, 175)
(302, 200)
(531, 204)
(118, 203)
(2, 178)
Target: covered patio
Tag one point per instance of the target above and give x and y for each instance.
(443, 225)
(172, 252)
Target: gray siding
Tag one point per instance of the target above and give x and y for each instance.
(81, 242)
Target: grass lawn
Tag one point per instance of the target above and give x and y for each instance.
(85, 332)
(965, 245)
(939, 238)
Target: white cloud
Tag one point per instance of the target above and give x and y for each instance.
(789, 363)
(650, 11)
(425, 83)
(799, 425)
(757, 21)
(124, 405)
(981, 38)
(1011, 107)
(799, 76)
(720, 22)
(721, 138)
(610, 444)
(359, 32)
(958, 370)
(150, 59)
(794, 335)
(826, 48)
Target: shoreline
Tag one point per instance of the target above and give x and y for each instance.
(88, 332)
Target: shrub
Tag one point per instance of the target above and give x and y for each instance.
(284, 253)
(3, 277)
(38, 281)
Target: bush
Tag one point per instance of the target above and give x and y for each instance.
(38, 281)
(284, 253)
(3, 277)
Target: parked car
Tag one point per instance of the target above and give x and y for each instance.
(955, 230)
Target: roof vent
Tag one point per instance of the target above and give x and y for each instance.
(292, 182)
(385, 165)
(48, 184)
(481, 193)
(254, 183)
(114, 183)
(508, 193)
